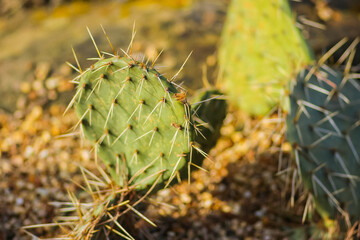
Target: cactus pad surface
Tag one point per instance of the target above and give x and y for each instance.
(261, 51)
(138, 121)
(209, 111)
(323, 127)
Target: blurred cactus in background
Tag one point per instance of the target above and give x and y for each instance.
(261, 50)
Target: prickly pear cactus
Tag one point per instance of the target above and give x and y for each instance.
(261, 50)
(139, 123)
(323, 127)
(209, 111)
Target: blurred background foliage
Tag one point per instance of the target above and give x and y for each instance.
(11, 7)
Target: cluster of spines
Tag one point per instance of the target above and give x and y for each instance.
(323, 126)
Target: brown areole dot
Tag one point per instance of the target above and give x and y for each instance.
(177, 126)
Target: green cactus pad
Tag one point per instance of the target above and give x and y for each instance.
(261, 51)
(209, 111)
(323, 127)
(139, 123)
